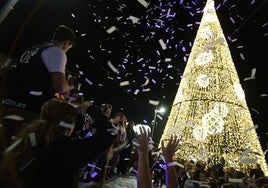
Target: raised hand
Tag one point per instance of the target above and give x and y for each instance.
(170, 149)
(168, 153)
(144, 178)
(143, 140)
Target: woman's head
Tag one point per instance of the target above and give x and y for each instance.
(60, 112)
(56, 110)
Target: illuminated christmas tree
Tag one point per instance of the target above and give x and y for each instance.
(209, 112)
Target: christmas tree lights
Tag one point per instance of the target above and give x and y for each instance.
(209, 112)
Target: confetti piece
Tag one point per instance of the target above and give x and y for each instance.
(88, 81)
(167, 60)
(252, 128)
(32, 139)
(155, 103)
(111, 29)
(14, 117)
(134, 19)
(26, 165)
(136, 91)
(144, 3)
(112, 67)
(249, 161)
(162, 44)
(253, 109)
(146, 82)
(242, 56)
(235, 180)
(13, 145)
(66, 125)
(125, 83)
(252, 76)
(36, 93)
(264, 95)
(244, 153)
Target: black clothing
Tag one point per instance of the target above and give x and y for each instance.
(29, 85)
(125, 153)
(64, 157)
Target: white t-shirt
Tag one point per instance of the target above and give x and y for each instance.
(55, 59)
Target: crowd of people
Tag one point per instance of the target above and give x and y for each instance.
(52, 137)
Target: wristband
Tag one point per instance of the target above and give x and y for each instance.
(174, 163)
(171, 164)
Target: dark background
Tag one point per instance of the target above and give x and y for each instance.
(135, 51)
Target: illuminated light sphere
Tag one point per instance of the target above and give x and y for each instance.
(209, 6)
(204, 58)
(213, 122)
(203, 80)
(136, 128)
(206, 33)
(221, 109)
(200, 133)
(210, 18)
(226, 127)
(239, 91)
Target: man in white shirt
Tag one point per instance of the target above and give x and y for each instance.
(38, 77)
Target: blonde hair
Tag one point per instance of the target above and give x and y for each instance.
(20, 160)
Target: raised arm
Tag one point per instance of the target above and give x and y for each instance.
(144, 178)
(168, 153)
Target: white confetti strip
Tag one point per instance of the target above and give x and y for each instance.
(111, 29)
(144, 3)
(167, 60)
(134, 19)
(155, 103)
(66, 125)
(26, 165)
(32, 139)
(36, 93)
(13, 145)
(252, 76)
(109, 63)
(14, 117)
(162, 44)
(125, 83)
(146, 82)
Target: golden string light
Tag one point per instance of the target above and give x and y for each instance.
(210, 96)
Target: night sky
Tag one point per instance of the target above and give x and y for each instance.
(119, 58)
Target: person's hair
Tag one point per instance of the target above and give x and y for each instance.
(62, 33)
(76, 98)
(21, 159)
(56, 110)
(105, 107)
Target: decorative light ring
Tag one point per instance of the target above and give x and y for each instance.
(221, 109)
(206, 33)
(200, 133)
(203, 80)
(213, 123)
(136, 128)
(204, 58)
(210, 17)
